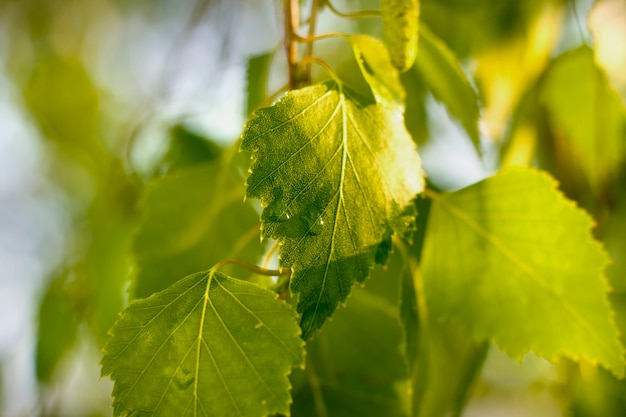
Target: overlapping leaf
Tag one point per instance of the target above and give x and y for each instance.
(586, 114)
(376, 67)
(209, 345)
(512, 260)
(441, 73)
(193, 219)
(336, 173)
(341, 379)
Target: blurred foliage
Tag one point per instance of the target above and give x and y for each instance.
(498, 68)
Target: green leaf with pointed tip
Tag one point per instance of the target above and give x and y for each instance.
(376, 67)
(510, 259)
(56, 328)
(440, 71)
(257, 74)
(587, 114)
(341, 379)
(336, 174)
(187, 148)
(185, 228)
(209, 345)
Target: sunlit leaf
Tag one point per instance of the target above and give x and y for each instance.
(510, 259)
(400, 23)
(191, 220)
(336, 174)
(586, 114)
(209, 345)
(380, 75)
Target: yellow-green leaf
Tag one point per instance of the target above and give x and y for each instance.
(376, 67)
(510, 259)
(400, 23)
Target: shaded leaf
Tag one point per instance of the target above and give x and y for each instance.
(415, 114)
(257, 73)
(336, 174)
(587, 115)
(341, 379)
(443, 360)
(510, 259)
(442, 75)
(56, 328)
(208, 345)
(191, 220)
(187, 148)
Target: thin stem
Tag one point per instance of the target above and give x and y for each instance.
(292, 20)
(315, 60)
(306, 75)
(310, 39)
(253, 268)
(361, 14)
(270, 255)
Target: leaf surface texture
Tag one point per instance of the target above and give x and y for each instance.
(510, 259)
(208, 345)
(335, 173)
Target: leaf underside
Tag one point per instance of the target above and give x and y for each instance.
(510, 259)
(335, 173)
(209, 345)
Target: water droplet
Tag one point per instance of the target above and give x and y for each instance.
(317, 227)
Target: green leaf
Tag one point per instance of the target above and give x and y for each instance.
(443, 360)
(415, 113)
(586, 114)
(191, 220)
(400, 23)
(56, 328)
(209, 345)
(187, 148)
(440, 71)
(341, 379)
(510, 259)
(336, 174)
(375, 65)
(257, 73)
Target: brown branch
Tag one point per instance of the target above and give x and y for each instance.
(292, 21)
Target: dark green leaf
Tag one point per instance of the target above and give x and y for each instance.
(56, 328)
(342, 379)
(441, 73)
(257, 74)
